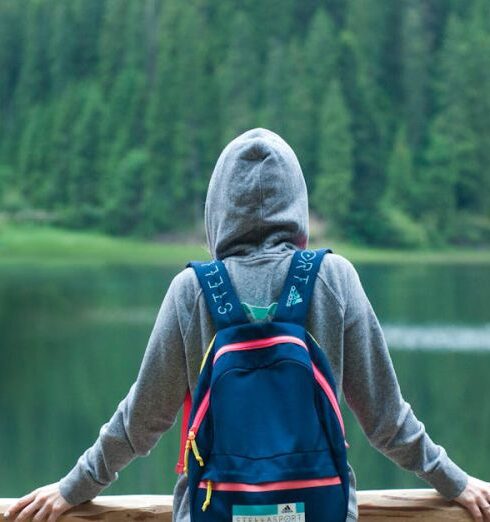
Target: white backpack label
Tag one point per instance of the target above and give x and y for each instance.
(292, 512)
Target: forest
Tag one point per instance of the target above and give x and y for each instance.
(114, 112)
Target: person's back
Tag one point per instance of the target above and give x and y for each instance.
(256, 216)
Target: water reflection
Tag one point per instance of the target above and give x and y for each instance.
(438, 337)
(72, 340)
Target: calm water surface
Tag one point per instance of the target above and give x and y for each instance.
(72, 339)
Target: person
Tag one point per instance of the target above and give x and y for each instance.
(256, 216)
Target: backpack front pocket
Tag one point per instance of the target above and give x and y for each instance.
(292, 500)
(257, 415)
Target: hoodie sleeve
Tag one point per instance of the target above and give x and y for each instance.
(149, 409)
(372, 392)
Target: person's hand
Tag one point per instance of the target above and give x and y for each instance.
(45, 503)
(476, 498)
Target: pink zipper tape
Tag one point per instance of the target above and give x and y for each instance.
(272, 486)
(330, 394)
(259, 343)
(201, 411)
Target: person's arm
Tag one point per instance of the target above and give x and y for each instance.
(372, 392)
(149, 409)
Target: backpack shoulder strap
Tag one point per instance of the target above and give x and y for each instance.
(295, 297)
(221, 299)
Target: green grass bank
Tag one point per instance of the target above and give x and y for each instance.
(46, 245)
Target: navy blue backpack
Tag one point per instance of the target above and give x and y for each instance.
(263, 436)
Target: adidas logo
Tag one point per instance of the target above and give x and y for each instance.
(286, 509)
(293, 297)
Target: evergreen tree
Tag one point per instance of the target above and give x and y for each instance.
(333, 192)
(191, 141)
(88, 16)
(161, 118)
(10, 63)
(112, 48)
(62, 45)
(397, 227)
(368, 172)
(124, 207)
(321, 55)
(299, 108)
(121, 125)
(238, 79)
(83, 183)
(416, 52)
(456, 90)
(448, 149)
(28, 162)
(400, 184)
(62, 146)
(33, 83)
(478, 78)
(10, 56)
(276, 82)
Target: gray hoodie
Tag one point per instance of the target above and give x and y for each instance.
(256, 216)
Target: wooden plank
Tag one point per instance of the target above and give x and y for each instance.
(114, 508)
(374, 506)
(408, 504)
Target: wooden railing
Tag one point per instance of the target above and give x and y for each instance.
(374, 506)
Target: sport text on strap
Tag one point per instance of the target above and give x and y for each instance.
(222, 302)
(297, 291)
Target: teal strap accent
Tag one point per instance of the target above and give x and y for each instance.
(259, 313)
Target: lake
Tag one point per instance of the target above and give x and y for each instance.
(72, 338)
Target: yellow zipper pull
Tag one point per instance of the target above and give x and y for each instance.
(186, 455)
(192, 438)
(209, 490)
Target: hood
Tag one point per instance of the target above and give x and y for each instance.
(257, 198)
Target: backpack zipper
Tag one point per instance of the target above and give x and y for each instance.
(266, 342)
(191, 437)
(266, 486)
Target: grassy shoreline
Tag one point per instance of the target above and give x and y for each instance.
(21, 244)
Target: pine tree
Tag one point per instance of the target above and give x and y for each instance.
(120, 125)
(238, 77)
(10, 63)
(298, 108)
(416, 52)
(190, 139)
(276, 83)
(124, 207)
(62, 145)
(478, 78)
(333, 192)
(397, 226)
(83, 184)
(368, 154)
(34, 82)
(321, 54)
(112, 48)
(88, 17)
(160, 120)
(457, 90)
(449, 147)
(28, 162)
(10, 58)
(400, 184)
(62, 45)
